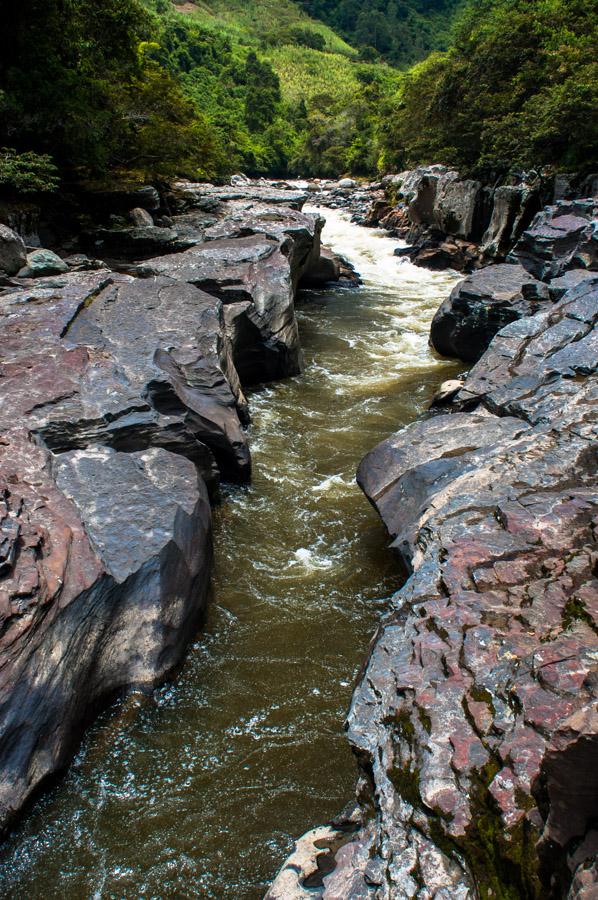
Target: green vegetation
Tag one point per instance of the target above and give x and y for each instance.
(401, 31)
(519, 88)
(139, 89)
(28, 173)
(321, 117)
(79, 82)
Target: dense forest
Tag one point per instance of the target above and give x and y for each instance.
(129, 89)
(402, 31)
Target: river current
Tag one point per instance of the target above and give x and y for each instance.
(199, 789)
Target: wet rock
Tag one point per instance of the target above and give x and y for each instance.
(560, 238)
(13, 255)
(305, 867)
(475, 714)
(377, 211)
(43, 262)
(326, 269)
(481, 305)
(106, 586)
(439, 254)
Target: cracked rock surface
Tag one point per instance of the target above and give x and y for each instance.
(475, 719)
(121, 408)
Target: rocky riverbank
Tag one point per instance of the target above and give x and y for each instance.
(474, 719)
(123, 407)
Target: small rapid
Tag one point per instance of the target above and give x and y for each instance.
(199, 789)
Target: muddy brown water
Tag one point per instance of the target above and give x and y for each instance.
(198, 790)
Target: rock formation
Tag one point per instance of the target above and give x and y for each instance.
(560, 247)
(481, 305)
(474, 719)
(448, 221)
(122, 408)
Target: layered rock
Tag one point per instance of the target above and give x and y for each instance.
(459, 223)
(560, 247)
(253, 261)
(474, 719)
(122, 409)
(561, 237)
(481, 305)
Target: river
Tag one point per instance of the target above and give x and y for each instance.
(198, 789)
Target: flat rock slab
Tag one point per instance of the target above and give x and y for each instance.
(190, 194)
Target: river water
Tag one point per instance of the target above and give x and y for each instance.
(198, 790)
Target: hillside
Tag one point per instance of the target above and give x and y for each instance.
(141, 89)
(401, 31)
(322, 119)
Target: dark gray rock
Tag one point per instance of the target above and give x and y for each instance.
(254, 260)
(188, 194)
(558, 287)
(474, 720)
(170, 340)
(137, 242)
(481, 305)
(513, 207)
(326, 269)
(561, 237)
(107, 587)
(13, 255)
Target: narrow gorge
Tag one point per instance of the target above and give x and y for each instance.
(247, 743)
(186, 553)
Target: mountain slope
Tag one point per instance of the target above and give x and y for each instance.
(402, 31)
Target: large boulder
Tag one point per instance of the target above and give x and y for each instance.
(437, 197)
(253, 261)
(105, 574)
(481, 305)
(13, 254)
(128, 363)
(561, 237)
(473, 720)
(457, 207)
(326, 269)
